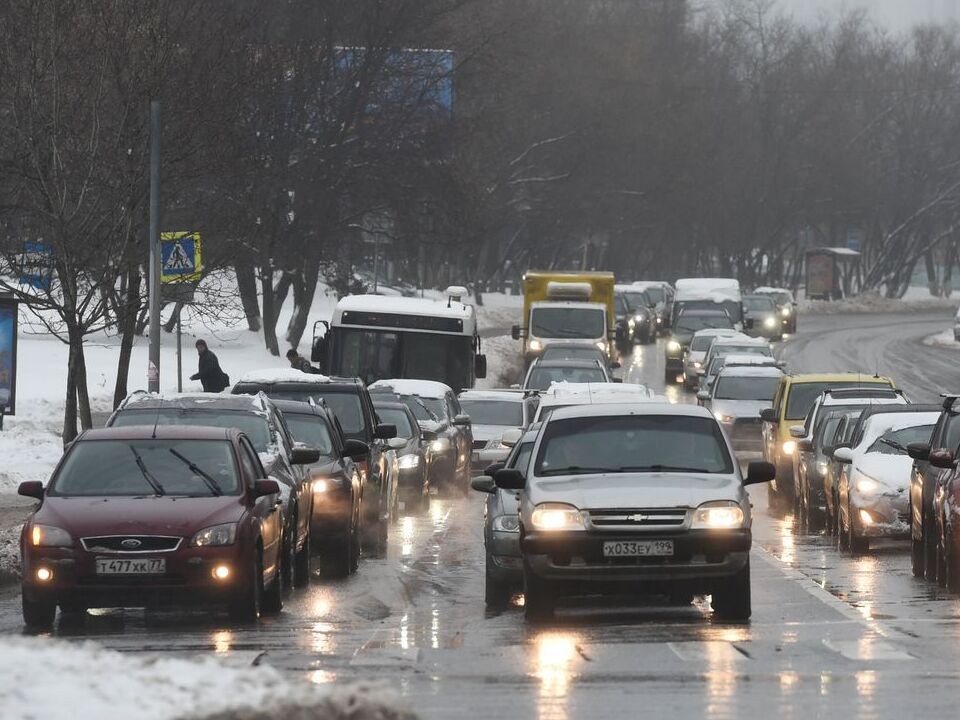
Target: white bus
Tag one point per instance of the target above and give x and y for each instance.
(375, 337)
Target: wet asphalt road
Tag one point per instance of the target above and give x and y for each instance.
(831, 635)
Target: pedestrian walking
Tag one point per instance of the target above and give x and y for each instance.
(208, 372)
(298, 362)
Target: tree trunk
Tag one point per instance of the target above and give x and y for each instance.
(247, 287)
(304, 289)
(280, 292)
(269, 314)
(127, 320)
(83, 395)
(933, 282)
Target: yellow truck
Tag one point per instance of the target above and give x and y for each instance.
(568, 307)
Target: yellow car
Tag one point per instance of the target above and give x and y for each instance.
(794, 397)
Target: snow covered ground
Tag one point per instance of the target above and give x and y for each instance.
(46, 678)
(943, 339)
(917, 298)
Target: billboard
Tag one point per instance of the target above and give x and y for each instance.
(8, 355)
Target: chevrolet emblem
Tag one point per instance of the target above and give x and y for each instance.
(638, 518)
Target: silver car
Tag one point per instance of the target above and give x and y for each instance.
(639, 501)
(493, 412)
(736, 398)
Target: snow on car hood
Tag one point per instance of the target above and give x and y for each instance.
(270, 459)
(491, 432)
(635, 490)
(891, 470)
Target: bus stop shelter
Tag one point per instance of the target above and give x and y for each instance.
(832, 273)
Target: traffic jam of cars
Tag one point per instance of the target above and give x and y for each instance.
(592, 486)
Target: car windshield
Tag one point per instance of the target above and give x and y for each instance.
(759, 304)
(894, 442)
(702, 343)
(691, 322)
(148, 467)
(803, 395)
(394, 416)
(636, 300)
(655, 294)
(567, 352)
(311, 430)
(433, 409)
(632, 443)
(827, 429)
(542, 377)
(494, 412)
(567, 322)
(344, 403)
(254, 425)
(746, 388)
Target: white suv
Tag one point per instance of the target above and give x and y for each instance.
(648, 500)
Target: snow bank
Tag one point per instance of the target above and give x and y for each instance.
(423, 388)
(10, 553)
(943, 339)
(504, 362)
(913, 301)
(149, 688)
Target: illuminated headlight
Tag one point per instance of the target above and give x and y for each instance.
(49, 536)
(632, 323)
(789, 447)
(785, 311)
(673, 347)
(506, 523)
(602, 345)
(44, 574)
(221, 572)
(556, 516)
(659, 320)
(440, 445)
(698, 365)
(726, 419)
(536, 346)
(867, 485)
(718, 515)
(639, 319)
(215, 536)
(770, 323)
(324, 485)
(822, 468)
(409, 462)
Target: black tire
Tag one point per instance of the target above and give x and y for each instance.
(539, 602)
(301, 563)
(670, 378)
(857, 544)
(917, 557)
(731, 600)
(289, 556)
(272, 602)
(337, 557)
(496, 594)
(39, 614)
(247, 605)
(930, 552)
(843, 534)
(951, 568)
(355, 546)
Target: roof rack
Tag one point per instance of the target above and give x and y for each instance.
(863, 391)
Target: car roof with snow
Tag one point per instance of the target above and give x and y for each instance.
(651, 283)
(740, 341)
(877, 424)
(563, 389)
(608, 410)
(719, 332)
(160, 432)
(405, 306)
(716, 289)
(750, 371)
(499, 395)
(567, 363)
(274, 376)
(186, 401)
(767, 290)
(734, 360)
(423, 388)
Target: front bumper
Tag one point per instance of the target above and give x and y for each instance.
(889, 513)
(574, 562)
(188, 579)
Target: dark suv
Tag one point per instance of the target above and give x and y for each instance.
(351, 403)
(259, 419)
(923, 486)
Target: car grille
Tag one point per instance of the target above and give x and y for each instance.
(479, 444)
(656, 518)
(131, 543)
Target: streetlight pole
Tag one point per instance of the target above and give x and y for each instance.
(153, 369)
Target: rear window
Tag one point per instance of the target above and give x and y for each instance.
(311, 430)
(494, 412)
(804, 394)
(542, 377)
(392, 416)
(702, 343)
(746, 388)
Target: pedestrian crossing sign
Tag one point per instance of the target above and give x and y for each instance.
(180, 257)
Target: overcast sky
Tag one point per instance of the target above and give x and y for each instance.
(897, 14)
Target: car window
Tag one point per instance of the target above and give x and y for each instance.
(632, 443)
(254, 425)
(494, 412)
(252, 470)
(311, 430)
(691, 323)
(394, 416)
(952, 432)
(571, 353)
(542, 377)
(148, 467)
(701, 343)
(521, 459)
(894, 442)
(745, 388)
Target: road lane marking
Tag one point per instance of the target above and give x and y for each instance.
(712, 651)
(866, 649)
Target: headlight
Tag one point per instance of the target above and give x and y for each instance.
(717, 515)
(536, 346)
(659, 320)
(440, 445)
(325, 485)
(698, 365)
(639, 319)
(785, 312)
(49, 536)
(866, 485)
(822, 468)
(556, 516)
(789, 447)
(726, 419)
(409, 462)
(602, 345)
(632, 323)
(506, 523)
(215, 535)
(674, 347)
(770, 323)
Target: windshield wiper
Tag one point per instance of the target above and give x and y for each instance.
(577, 470)
(661, 468)
(154, 483)
(894, 444)
(211, 483)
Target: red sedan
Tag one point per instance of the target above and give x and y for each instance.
(153, 517)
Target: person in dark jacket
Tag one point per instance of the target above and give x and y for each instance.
(209, 373)
(298, 362)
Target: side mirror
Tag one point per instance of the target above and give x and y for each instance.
(32, 489)
(703, 396)
(510, 479)
(805, 445)
(760, 472)
(304, 456)
(385, 431)
(480, 366)
(318, 353)
(511, 437)
(515, 332)
(798, 431)
(484, 485)
(262, 488)
(843, 454)
(942, 459)
(355, 449)
(615, 365)
(769, 415)
(461, 420)
(493, 469)
(616, 380)
(919, 451)
(397, 443)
